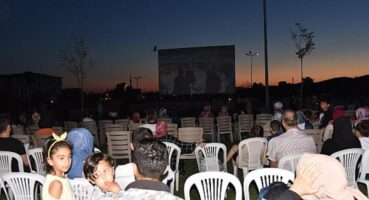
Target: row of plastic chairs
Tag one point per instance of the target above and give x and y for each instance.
(214, 185)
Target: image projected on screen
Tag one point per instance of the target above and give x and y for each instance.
(198, 70)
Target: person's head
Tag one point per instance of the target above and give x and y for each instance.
(308, 114)
(57, 155)
(136, 117)
(324, 104)
(275, 126)
(300, 117)
(161, 129)
(277, 106)
(99, 169)
(289, 119)
(331, 180)
(207, 108)
(150, 159)
(362, 114)
(362, 129)
(5, 126)
(256, 131)
(138, 135)
(338, 112)
(82, 143)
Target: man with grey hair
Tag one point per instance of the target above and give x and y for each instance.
(291, 142)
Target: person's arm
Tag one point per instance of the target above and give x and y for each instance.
(273, 164)
(55, 189)
(25, 160)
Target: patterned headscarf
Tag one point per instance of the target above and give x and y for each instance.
(361, 114)
(338, 112)
(83, 143)
(331, 184)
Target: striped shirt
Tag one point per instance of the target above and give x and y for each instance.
(291, 142)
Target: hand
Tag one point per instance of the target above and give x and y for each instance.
(303, 184)
(111, 187)
(201, 144)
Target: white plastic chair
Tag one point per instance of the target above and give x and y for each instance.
(349, 159)
(23, 138)
(124, 175)
(224, 126)
(171, 148)
(256, 149)
(207, 123)
(6, 158)
(172, 129)
(364, 169)
(188, 122)
(69, 125)
(91, 126)
(264, 177)
(245, 123)
(212, 185)
(82, 188)
(37, 156)
(3, 189)
(119, 145)
(23, 186)
(210, 155)
(289, 162)
(190, 134)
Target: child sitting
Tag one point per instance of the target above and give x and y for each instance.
(58, 159)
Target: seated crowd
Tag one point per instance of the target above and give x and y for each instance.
(318, 176)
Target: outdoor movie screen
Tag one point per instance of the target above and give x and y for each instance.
(197, 70)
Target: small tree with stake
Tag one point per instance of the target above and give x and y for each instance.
(75, 61)
(303, 41)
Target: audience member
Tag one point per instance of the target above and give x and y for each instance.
(318, 177)
(223, 111)
(8, 143)
(163, 136)
(292, 141)
(342, 137)
(325, 114)
(362, 132)
(302, 122)
(206, 112)
(256, 131)
(361, 114)
(337, 112)
(278, 109)
(58, 159)
(136, 118)
(275, 129)
(82, 143)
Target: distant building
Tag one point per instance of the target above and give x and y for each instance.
(28, 86)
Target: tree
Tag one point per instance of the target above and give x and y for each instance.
(75, 61)
(303, 41)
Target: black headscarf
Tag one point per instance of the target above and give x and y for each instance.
(342, 137)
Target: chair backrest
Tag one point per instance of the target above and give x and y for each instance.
(102, 124)
(69, 125)
(82, 188)
(264, 177)
(188, 122)
(317, 134)
(36, 156)
(23, 138)
(57, 129)
(289, 162)
(212, 185)
(6, 158)
(245, 122)
(207, 123)
(256, 149)
(172, 129)
(224, 124)
(119, 144)
(124, 175)
(24, 186)
(32, 129)
(3, 189)
(124, 122)
(349, 159)
(113, 127)
(190, 134)
(18, 130)
(171, 147)
(364, 168)
(208, 157)
(166, 119)
(264, 117)
(133, 126)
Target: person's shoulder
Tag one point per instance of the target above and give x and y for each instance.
(141, 194)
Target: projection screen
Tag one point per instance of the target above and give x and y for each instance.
(197, 70)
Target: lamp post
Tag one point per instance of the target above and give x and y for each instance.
(266, 56)
(251, 54)
(137, 78)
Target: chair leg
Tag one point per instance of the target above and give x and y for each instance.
(177, 181)
(235, 170)
(245, 171)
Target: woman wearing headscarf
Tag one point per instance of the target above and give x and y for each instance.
(302, 122)
(82, 142)
(361, 114)
(318, 177)
(342, 137)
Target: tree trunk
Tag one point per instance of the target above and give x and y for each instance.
(302, 83)
(82, 103)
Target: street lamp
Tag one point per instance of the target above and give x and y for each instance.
(137, 78)
(251, 54)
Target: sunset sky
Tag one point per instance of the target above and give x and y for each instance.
(121, 34)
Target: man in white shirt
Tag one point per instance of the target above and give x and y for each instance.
(291, 142)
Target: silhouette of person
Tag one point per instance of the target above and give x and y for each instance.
(181, 84)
